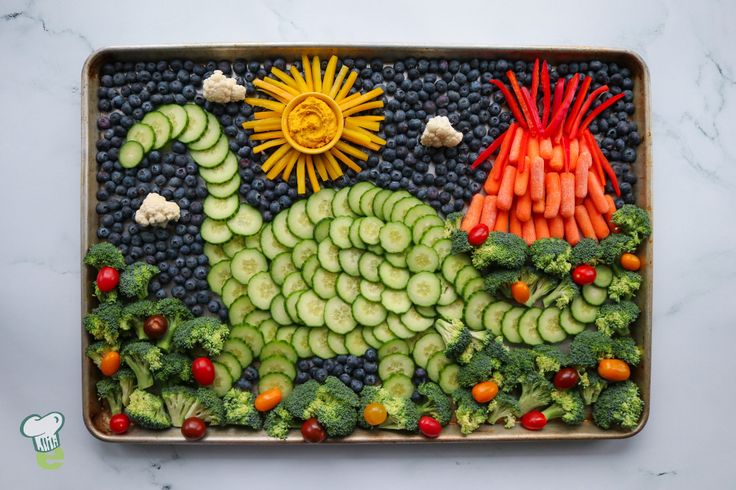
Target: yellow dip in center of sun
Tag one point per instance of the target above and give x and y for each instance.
(312, 123)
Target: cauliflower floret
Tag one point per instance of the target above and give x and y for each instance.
(439, 132)
(156, 211)
(219, 88)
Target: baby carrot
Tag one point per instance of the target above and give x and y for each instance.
(532, 148)
(609, 214)
(567, 192)
(488, 214)
(538, 206)
(472, 217)
(552, 205)
(540, 226)
(514, 224)
(600, 226)
(572, 235)
(574, 153)
(502, 221)
(528, 233)
(522, 178)
(537, 179)
(581, 174)
(583, 220)
(545, 148)
(516, 145)
(506, 191)
(557, 160)
(556, 227)
(492, 184)
(596, 193)
(524, 207)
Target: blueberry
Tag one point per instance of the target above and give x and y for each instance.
(302, 377)
(416, 397)
(320, 374)
(244, 385)
(359, 373)
(356, 385)
(345, 378)
(317, 361)
(342, 358)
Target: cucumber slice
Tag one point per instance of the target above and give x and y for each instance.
(223, 380)
(327, 253)
(279, 348)
(583, 311)
(594, 295)
(246, 264)
(397, 328)
(196, 124)
(222, 172)
(493, 316)
(209, 138)
(368, 266)
(451, 266)
(433, 235)
(528, 327)
(426, 347)
(322, 229)
(395, 237)
(465, 275)
(213, 156)
(395, 364)
(262, 290)
(473, 286)
(448, 295)
(388, 206)
(423, 224)
(383, 333)
(218, 276)
(416, 322)
(402, 207)
(395, 301)
(298, 222)
(130, 154)
(177, 117)
(397, 260)
(253, 241)
(143, 134)
(453, 311)
(378, 202)
(318, 343)
(371, 290)
(474, 308)
(443, 248)
(285, 333)
(276, 380)
(269, 245)
(549, 327)
(366, 201)
(356, 193)
(348, 259)
(370, 338)
(368, 313)
(435, 365)
(277, 364)
(239, 309)
(231, 363)
(311, 310)
(300, 342)
(281, 230)
(268, 329)
(448, 378)
(221, 209)
(395, 346)
(309, 269)
(324, 284)
(339, 317)
(247, 221)
(418, 212)
(337, 343)
(255, 318)
(355, 342)
(399, 386)
(510, 324)
(226, 188)
(250, 335)
(570, 324)
(282, 266)
(233, 246)
(426, 311)
(347, 287)
(340, 203)
(421, 258)
(293, 282)
(240, 350)
(278, 311)
(603, 276)
(340, 231)
(232, 290)
(370, 230)
(291, 303)
(424, 289)
(303, 250)
(214, 253)
(319, 205)
(393, 277)
(161, 128)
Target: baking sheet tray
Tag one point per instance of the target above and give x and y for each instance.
(202, 52)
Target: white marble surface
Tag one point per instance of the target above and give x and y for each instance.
(689, 48)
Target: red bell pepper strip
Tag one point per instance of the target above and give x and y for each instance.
(579, 99)
(546, 91)
(535, 81)
(511, 102)
(597, 154)
(533, 109)
(604, 163)
(565, 106)
(485, 154)
(520, 97)
(558, 95)
(588, 102)
(600, 109)
(503, 154)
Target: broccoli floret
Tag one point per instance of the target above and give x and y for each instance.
(134, 315)
(504, 407)
(104, 297)
(208, 407)
(105, 255)
(552, 255)
(103, 323)
(202, 333)
(625, 348)
(615, 318)
(632, 221)
(480, 368)
(402, 413)
(499, 281)
(539, 286)
(135, 278)
(332, 403)
(456, 336)
(521, 370)
(478, 340)
(279, 422)
(500, 250)
(563, 294)
(435, 403)
(519, 364)
(175, 368)
(176, 313)
(460, 243)
(591, 386)
(549, 359)
(96, 350)
(586, 251)
(147, 410)
(468, 413)
(618, 405)
(536, 391)
(624, 284)
(589, 347)
(568, 406)
(452, 223)
(240, 410)
(109, 390)
(614, 245)
(183, 402)
(128, 382)
(143, 358)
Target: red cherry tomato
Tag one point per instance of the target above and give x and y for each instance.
(478, 235)
(312, 431)
(107, 279)
(534, 420)
(193, 428)
(119, 423)
(584, 274)
(566, 378)
(203, 371)
(429, 427)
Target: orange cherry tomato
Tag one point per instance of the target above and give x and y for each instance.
(110, 363)
(630, 262)
(614, 370)
(268, 399)
(485, 391)
(375, 414)
(520, 292)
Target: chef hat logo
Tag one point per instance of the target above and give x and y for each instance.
(43, 430)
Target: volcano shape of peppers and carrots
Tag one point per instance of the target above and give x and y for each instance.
(549, 174)
(313, 122)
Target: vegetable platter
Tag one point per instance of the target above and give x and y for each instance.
(300, 248)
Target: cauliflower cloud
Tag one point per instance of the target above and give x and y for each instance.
(439, 132)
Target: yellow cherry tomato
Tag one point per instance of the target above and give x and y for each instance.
(110, 363)
(268, 399)
(485, 391)
(630, 262)
(614, 370)
(375, 414)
